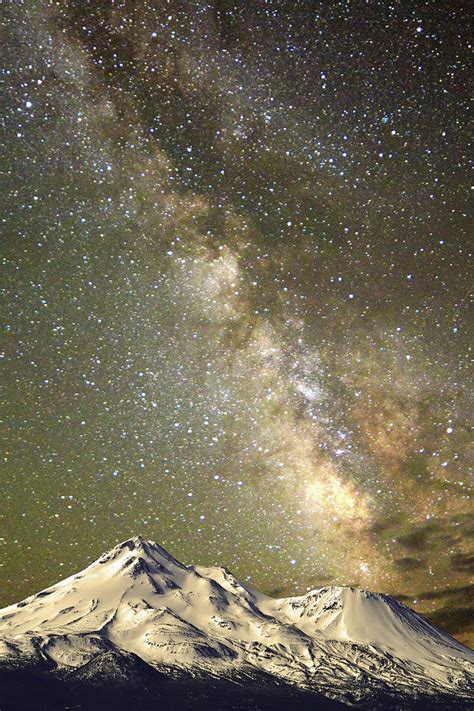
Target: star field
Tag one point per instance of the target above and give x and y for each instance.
(237, 286)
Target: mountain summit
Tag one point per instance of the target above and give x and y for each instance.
(138, 611)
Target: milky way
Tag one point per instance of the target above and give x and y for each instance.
(237, 279)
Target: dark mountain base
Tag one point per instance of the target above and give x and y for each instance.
(28, 691)
(121, 682)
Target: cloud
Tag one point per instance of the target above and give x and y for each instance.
(417, 540)
(463, 562)
(408, 563)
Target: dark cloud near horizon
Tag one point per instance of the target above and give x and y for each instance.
(409, 563)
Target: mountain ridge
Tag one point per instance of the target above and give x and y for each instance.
(348, 645)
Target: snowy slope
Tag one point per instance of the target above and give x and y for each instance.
(346, 643)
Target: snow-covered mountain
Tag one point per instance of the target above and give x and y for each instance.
(138, 607)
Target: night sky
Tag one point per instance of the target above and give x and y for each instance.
(236, 249)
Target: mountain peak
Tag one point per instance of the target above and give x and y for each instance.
(135, 544)
(139, 543)
(140, 547)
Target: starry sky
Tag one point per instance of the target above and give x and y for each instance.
(237, 287)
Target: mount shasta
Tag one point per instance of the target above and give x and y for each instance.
(137, 627)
